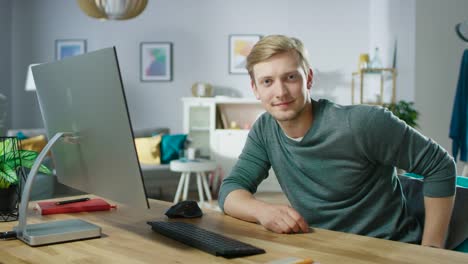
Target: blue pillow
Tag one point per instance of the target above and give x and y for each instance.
(171, 147)
(20, 135)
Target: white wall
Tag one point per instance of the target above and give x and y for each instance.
(437, 64)
(392, 22)
(334, 31)
(403, 26)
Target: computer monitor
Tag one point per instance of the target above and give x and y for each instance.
(83, 96)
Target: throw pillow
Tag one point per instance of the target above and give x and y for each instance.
(458, 230)
(171, 147)
(36, 143)
(148, 149)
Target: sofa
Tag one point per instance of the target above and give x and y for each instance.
(160, 182)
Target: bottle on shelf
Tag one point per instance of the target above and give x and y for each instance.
(376, 62)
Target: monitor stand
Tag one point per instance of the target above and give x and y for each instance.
(56, 231)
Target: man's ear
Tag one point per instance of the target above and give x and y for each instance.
(310, 77)
(254, 88)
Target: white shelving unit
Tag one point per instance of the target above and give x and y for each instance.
(208, 122)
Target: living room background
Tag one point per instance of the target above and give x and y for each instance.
(334, 31)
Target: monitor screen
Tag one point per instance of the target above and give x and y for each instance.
(84, 95)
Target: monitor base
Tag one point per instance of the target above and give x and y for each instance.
(58, 232)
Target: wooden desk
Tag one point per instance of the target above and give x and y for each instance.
(128, 239)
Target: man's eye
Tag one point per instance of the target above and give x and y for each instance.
(267, 82)
(292, 77)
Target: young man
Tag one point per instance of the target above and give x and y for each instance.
(336, 164)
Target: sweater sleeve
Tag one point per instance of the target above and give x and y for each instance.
(250, 169)
(387, 140)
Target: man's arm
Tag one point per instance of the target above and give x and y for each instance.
(438, 214)
(406, 148)
(277, 218)
(235, 195)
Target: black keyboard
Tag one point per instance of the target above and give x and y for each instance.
(205, 240)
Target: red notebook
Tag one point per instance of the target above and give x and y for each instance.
(95, 204)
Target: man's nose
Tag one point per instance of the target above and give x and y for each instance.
(281, 89)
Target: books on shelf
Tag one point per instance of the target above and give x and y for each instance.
(221, 120)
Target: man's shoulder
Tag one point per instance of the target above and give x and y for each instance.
(365, 110)
(350, 111)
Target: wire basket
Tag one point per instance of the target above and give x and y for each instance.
(10, 158)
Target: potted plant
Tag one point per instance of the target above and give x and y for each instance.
(405, 111)
(12, 161)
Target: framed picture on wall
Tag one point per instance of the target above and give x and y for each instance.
(239, 48)
(155, 61)
(69, 47)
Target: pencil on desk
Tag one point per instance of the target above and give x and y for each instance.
(293, 260)
(304, 261)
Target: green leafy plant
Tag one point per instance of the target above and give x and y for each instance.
(405, 111)
(12, 159)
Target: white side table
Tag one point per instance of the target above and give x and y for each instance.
(186, 167)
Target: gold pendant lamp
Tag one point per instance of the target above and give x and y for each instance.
(112, 9)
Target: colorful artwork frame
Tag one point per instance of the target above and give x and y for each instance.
(239, 49)
(155, 61)
(69, 47)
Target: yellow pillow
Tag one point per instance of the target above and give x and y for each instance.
(148, 149)
(34, 143)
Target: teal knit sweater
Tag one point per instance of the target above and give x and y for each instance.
(341, 175)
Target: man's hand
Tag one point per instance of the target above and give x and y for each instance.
(282, 219)
(277, 218)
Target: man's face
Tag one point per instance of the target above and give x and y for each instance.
(282, 86)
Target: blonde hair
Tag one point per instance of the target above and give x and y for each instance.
(272, 45)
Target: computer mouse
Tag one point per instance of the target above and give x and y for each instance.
(184, 209)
